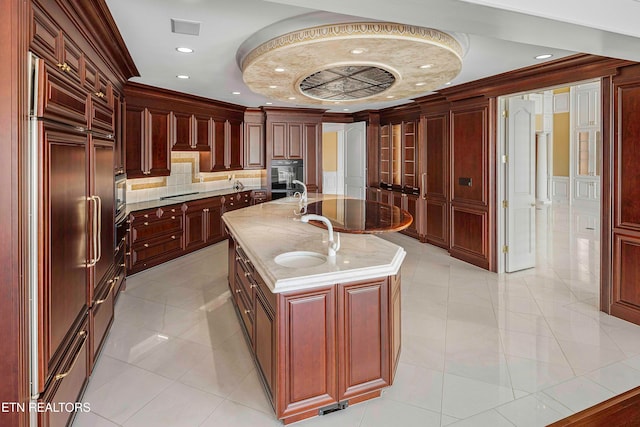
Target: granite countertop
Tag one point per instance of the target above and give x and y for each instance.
(269, 229)
(152, 204)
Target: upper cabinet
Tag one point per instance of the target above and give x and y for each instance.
(179, 122)
(296, 134)
(254, 139)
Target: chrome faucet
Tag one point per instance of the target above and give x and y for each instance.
(303, 196)
(334, 246)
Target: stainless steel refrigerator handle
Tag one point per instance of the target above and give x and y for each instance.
(94, 223)
(98, 235)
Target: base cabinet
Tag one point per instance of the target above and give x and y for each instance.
(321, 347)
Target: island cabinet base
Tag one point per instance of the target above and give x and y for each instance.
(322, 348)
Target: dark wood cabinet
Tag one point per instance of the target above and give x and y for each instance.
(254, 149)
(202, 223)
(237, 200)
(60, 99)
(119, 152)
(226, 148)
(363, 326)
(399, 154)
(317, 347)
(147, 141)
(296, 134)
(191, 132)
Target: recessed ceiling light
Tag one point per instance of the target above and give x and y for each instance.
(420, 84)
(425, 66)
(345, 109)
(269, 103)
(182, 76)
(184, 50)
(544, 56)
(447, 83)
(279, 70)
(235, 92)
(357, 51)
(390, 96)
(272, 86)
(292, 97)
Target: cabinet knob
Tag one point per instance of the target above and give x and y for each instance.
(238, 258)
(146, 215)
(173, 217)
(99, 94)
(238, 291)
(173, 237)
(146, 245)
(247, 274)
(123, 265)
(146, 223)
(127, 253)
(253, 286)
(173, 210)
(247, 311)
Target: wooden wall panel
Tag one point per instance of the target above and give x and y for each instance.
(14, 383)
(437, 227)
(627, 206)
(469, 230)
(436, 140)
(469, 155)
(626, 277)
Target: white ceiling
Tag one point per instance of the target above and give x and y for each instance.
(499, 40)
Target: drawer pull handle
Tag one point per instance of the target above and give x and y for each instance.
(238, 258)
(146, 215)
(173, 237)
(247, 274)
(73, 364)
(238, 291)
(173, 210)
(146, 223)
(173, 217)
(127, 253)
(247, 311)
(123, 265)
(146, 245)
(253, 286)
(100, 301)
(123, 239)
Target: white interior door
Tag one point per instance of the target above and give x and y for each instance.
(520, 185)
(355, 155)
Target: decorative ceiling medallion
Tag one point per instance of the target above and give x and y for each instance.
(322, 65)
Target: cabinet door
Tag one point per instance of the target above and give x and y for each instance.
(295, 147)
(133, 125)
(159, 142)
(64, 298)
(363, 327)
(214, 231)
(103, 185)
(182, 132)
(218, 149)
(60, 99)
(233, 146)
(265, 340)
(279, 140)
(254, 146)
(194, 227)
(203, 127)
(409, 204)
(118, 149)
(312, 157)
(73, 59)
(385, 154)
(46, 37)
(307, 374)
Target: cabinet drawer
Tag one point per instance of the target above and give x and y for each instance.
(101, 316)
(156, 250)
(142, 230)
(244, 308)
(101, 118)
(68, 381)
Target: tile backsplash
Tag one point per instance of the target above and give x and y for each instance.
(186, 178)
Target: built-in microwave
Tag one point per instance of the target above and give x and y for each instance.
(120, 196)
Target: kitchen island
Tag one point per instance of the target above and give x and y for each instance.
(322, 336)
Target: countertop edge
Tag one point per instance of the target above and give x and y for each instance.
(318, 280)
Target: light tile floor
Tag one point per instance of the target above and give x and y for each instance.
(479, 349)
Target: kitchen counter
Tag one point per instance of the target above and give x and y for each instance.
(269, 229)
(172, 200)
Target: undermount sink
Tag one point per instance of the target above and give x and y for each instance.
(300, 259)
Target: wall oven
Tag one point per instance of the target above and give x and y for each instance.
(120, 196)
(283, 173)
